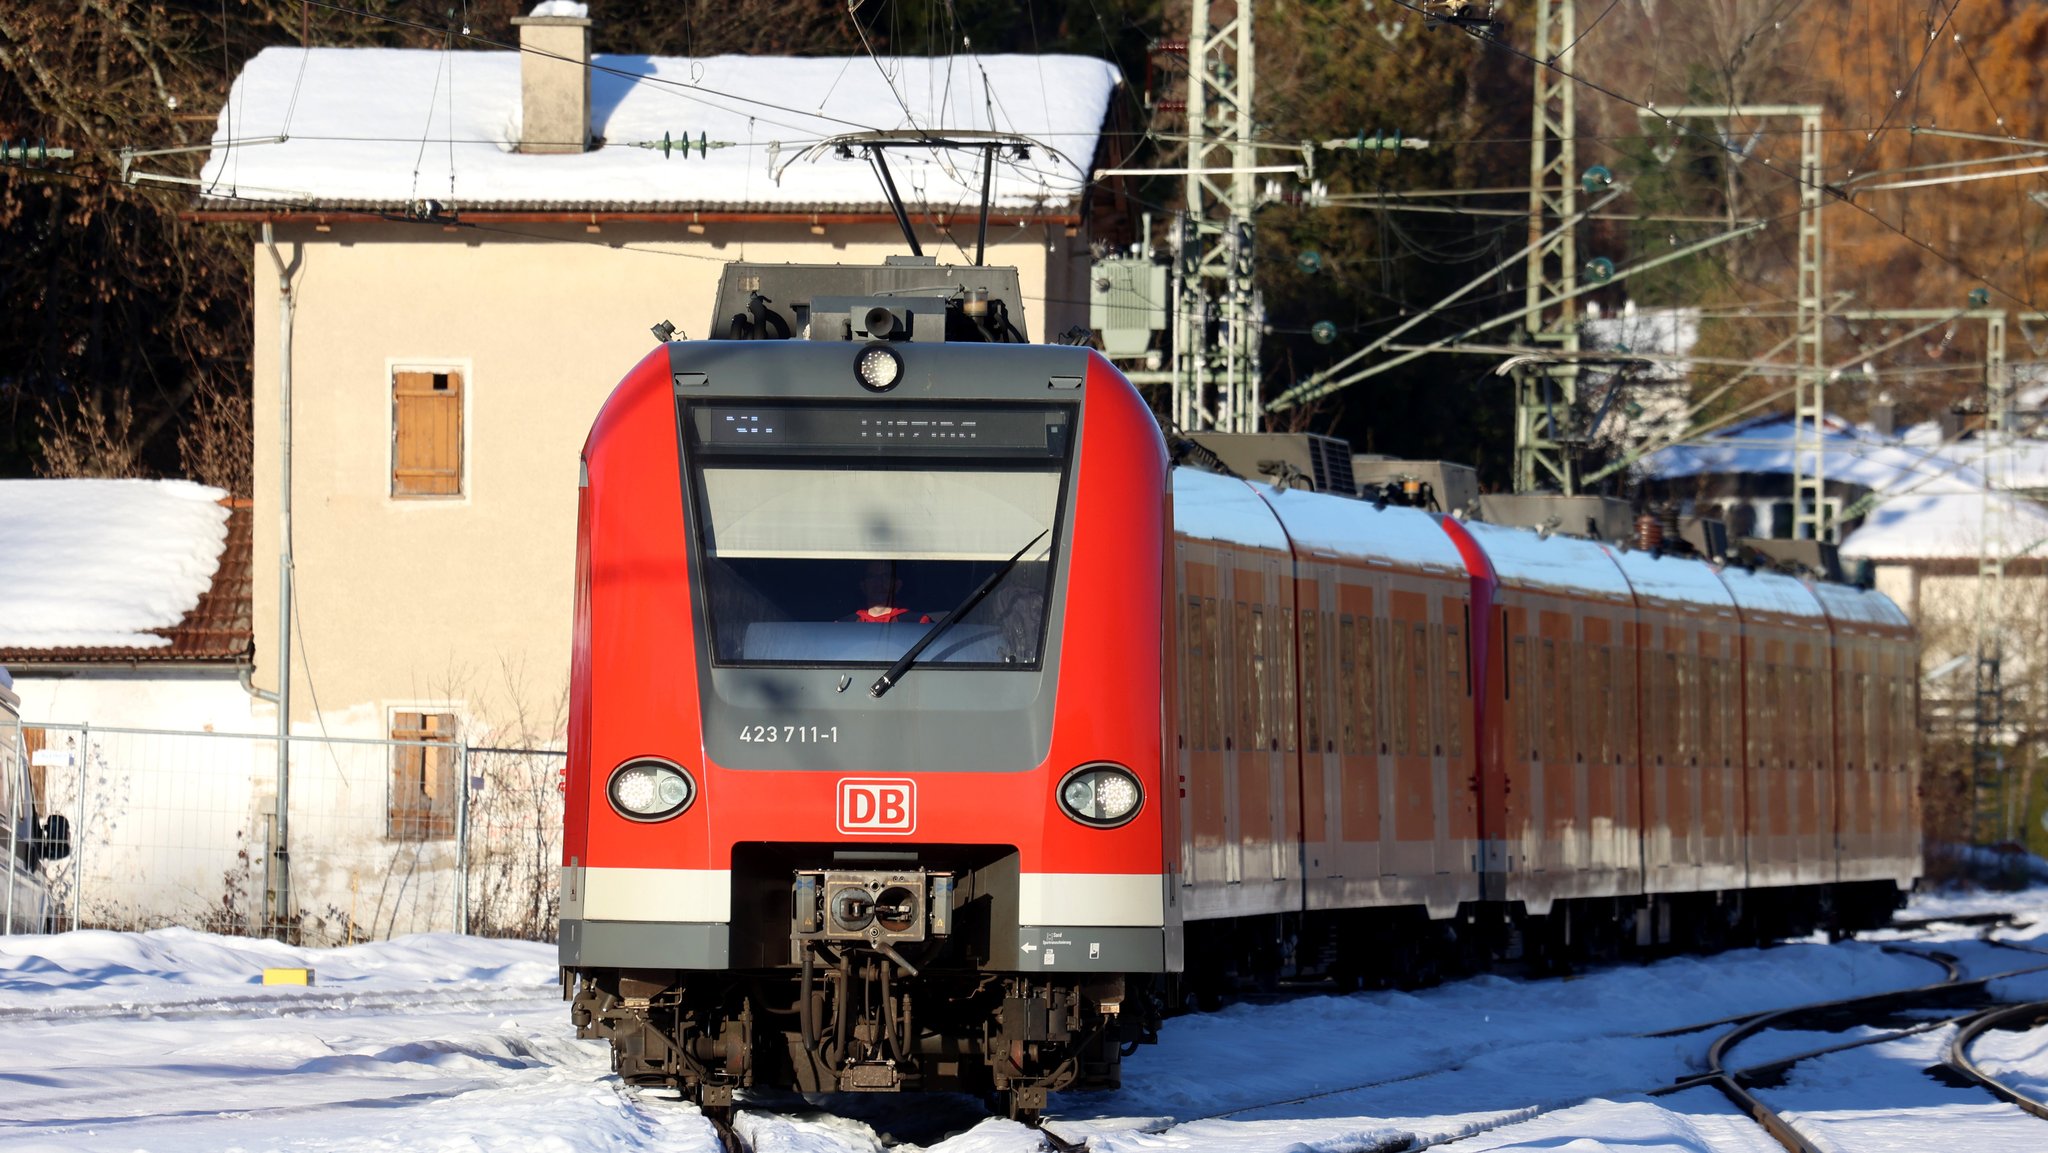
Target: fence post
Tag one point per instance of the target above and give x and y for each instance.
(462, 841)
(78, 830)
(18, 789)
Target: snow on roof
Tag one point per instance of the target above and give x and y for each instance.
(1924, 525)
(1672, 578)
(1523, 558)
(1849, 454)
(1865, 606)
(1762, 591)
(384, 127)
(1931, 494)
(1354, 528)
(1210, 506)
(101, 562)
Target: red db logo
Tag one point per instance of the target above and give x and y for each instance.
(868, 805)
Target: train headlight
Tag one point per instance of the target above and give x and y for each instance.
(878, 368)
(650, 790)
(1101, 795)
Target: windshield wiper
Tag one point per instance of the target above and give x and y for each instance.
(888, 680)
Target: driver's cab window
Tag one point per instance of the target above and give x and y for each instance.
(817, 554)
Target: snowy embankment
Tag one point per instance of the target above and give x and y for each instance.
(168, 1041)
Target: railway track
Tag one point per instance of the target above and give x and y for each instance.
(284, 1004)
(1974, 1015)
(1952, 986)
(1957, 1001)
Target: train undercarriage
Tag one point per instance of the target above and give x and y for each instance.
(1402, 947)
(854, 1020)
(869, 980)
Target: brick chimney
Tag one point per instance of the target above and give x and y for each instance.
(554, 78)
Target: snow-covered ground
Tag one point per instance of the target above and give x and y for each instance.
(168, 1041)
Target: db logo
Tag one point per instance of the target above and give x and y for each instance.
(869, 805)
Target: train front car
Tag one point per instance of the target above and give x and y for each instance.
(864, 779)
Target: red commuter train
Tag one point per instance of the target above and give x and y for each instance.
(929, 730)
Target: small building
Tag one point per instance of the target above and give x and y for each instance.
(125, 614)
(476, 244)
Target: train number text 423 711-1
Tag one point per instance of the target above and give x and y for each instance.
(789, 734)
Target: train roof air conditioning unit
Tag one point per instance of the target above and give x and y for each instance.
(1284, 459)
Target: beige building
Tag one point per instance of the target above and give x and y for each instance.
(464, 293)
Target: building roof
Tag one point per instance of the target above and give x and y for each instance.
(122, 571)
(1931, 496)
(387, 128)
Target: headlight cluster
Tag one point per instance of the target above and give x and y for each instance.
(1102, 795)
(650, 790)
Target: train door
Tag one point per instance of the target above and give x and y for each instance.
(1203, 676)
(1519, 720)
(1457, 783)
(1817, 827)
(1322, 768)
(1283, 731)
(1849, 764)
(1556, 784)
(1412, 805)
(1691, 712)
(1360, 721)
(1653, 671)
(1770, 824)
(1608, 823)
(1719, 804)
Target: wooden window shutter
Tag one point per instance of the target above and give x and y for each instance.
(424, 791)
(426, 433)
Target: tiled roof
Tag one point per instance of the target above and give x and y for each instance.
(217, 630)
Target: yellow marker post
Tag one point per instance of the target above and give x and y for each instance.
(287, 976)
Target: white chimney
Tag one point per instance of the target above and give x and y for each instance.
(554, 78)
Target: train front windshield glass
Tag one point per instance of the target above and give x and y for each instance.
(818, 551)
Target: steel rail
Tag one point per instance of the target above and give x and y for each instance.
(1731, 1082)
(1958, 1057)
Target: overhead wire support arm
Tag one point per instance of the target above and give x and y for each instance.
(881, 167)
(1308, 392)
(989, 144)
(1312, 388)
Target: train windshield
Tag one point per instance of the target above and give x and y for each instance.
(817, 554)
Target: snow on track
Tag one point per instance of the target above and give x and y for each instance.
(167, 1042)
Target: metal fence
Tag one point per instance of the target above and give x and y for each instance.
(385, 837)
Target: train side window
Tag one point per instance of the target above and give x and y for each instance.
(424, 791)
(1454, 691)
(1372, 648)
(1629, 715)
(1311, 681)
(1398, 685)
(1289, 719)
(426, 433)
(1262, 715)
(1215, 715)
(1552, 749)
(1428, 729)
(1193, 665)
(1518, 688)
(1246, 688)
(1347, 679)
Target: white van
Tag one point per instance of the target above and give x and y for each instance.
(29, 841)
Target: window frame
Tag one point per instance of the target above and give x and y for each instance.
(437, 825)
(454, 366)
